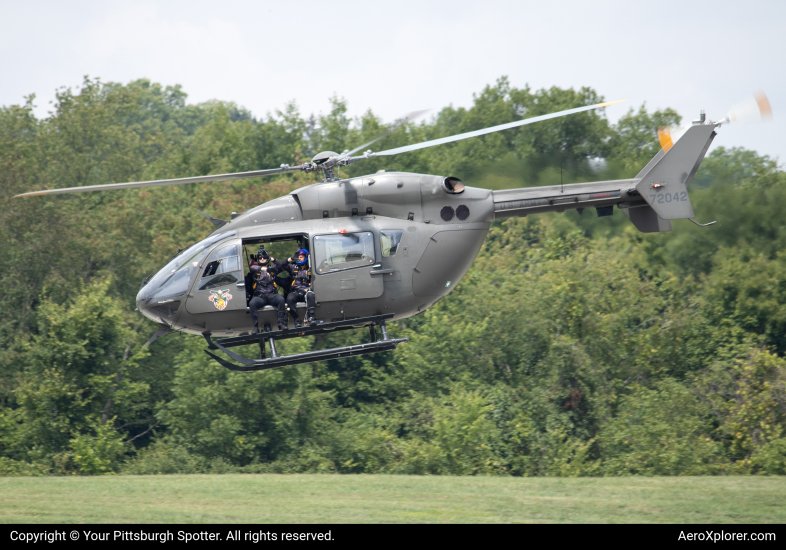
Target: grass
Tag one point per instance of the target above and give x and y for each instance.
(402, 499)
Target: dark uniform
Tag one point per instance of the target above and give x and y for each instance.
(300, 291)
(265, 292)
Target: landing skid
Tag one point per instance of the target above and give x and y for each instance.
(249, 365)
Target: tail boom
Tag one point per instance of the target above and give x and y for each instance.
(658, 194)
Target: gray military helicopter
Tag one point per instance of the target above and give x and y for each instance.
(384, 246)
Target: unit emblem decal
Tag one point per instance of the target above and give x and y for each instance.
(220, 298)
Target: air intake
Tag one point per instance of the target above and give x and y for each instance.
(453, 186)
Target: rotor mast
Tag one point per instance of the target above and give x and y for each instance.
(327, 162)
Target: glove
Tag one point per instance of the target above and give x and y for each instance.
(290, 260)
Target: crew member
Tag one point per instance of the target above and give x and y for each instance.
(300, 291)
(265, 291)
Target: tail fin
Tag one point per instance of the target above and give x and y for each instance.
(664, 182)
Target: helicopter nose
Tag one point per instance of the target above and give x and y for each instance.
(162, 312)
(142, 307)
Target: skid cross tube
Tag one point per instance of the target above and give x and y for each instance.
(386, 343)
(308, 357)
(324, 328)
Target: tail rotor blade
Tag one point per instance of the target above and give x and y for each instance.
(754, 109)
(668, 135)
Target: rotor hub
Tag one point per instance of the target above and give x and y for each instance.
(324, 156)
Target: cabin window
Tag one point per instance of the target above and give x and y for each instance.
(390, 239)
(343, 251)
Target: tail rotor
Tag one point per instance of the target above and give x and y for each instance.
(750, 111)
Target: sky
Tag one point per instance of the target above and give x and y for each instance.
(398, 57)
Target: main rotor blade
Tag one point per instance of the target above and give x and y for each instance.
(398, 123)
(507, 126)
(157, 183)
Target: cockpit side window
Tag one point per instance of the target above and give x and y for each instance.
(224, 251)
(224, 260)
(223, 265)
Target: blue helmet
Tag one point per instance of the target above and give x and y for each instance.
(301, 252)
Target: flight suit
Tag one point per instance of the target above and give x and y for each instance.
(300, 290)
(265, 292)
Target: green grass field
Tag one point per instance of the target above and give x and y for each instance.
(406, 499)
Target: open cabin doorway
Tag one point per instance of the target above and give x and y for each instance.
(280, 247)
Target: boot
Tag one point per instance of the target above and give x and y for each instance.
(256, 329)
(282, 322)
(310, 318)
(297, 322)
(267, 327)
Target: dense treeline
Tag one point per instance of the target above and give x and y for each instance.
(574, 346)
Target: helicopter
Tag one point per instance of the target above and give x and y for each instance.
(384, 246)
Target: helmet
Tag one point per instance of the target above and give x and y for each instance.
(301, 252)
(263, 256)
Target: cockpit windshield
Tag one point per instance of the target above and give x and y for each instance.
(173, 279)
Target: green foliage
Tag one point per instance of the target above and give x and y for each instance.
(748, 395)
(10, 467)
(78, 370)
(660, 431)
(574, 346)
(635, 142)
(164, 457)
(99, 452)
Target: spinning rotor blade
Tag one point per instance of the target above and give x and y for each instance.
(341, 160)
(157, 183)
(398, 123)
(754, 109)
(669, 135)
(484, 131)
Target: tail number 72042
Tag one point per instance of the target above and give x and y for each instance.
(661, 198)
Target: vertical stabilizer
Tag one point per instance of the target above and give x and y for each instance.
(665, 185)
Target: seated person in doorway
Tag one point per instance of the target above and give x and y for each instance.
(300, 291)
(264, 289)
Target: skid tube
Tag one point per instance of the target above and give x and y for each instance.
(249, 365)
